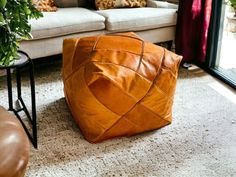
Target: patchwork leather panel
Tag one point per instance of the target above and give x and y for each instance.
(118, 85)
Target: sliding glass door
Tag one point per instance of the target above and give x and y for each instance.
(222, 42)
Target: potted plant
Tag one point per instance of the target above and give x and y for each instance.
(14, 27)
(233, 4)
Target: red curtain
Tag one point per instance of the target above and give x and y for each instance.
(192, 29)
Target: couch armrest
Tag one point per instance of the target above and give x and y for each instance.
(161, 4)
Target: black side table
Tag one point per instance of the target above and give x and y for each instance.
(23, 62)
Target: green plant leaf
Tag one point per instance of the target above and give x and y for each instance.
(232, 2)
(3, 3)
(2, 20)
(14, 27)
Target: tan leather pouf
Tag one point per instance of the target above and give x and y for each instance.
(14, 146)
(118, 85)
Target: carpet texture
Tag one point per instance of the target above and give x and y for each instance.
(201, 141)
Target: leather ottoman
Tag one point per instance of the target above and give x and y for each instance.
(118, 84)
(14, 146)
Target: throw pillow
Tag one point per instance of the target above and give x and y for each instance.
(109, 4)
(71, 3)
(45, 5)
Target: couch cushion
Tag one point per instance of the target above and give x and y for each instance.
(136, 19)
(66, 21)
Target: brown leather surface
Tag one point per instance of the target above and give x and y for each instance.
(14, 146)
(118, 85)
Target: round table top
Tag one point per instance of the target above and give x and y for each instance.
(23, 59)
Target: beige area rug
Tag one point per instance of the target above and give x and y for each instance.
(201, 141)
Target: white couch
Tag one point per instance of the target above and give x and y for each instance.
(155, 23)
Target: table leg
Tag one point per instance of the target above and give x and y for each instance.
(18, 82)
(9, 88)
(34, 121)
